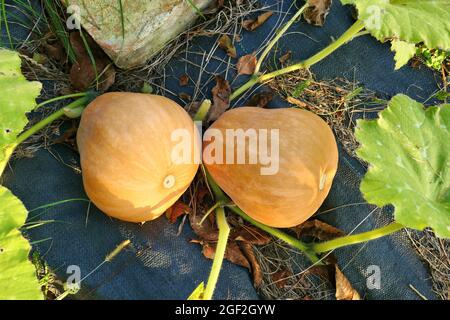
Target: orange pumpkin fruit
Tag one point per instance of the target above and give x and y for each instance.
(126, 146)
(307, 164)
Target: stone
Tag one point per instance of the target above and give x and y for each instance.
(149, 25)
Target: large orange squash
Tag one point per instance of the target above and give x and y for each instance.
(307, 164)
(126, 145)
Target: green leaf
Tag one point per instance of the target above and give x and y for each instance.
(404, 51)
(18, 96)
(408, 149)
(412, 21)
(18, 275)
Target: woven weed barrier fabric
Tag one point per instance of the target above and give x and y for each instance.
(162, 264)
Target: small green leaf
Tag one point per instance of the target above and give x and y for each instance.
(198, 292)
(404, 51)
(302, 86)
(18, 279)
(147, 88)
(413, 21)
(408, 149)
(18, 96)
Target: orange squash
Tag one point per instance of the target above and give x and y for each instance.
(307, 164)
(126, 147)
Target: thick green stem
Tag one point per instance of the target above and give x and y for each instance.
(248, 85)
(58, 114)
(224, 232)
(220, 196)
(280, 33)
(343, 39)
(69, 96)
(203, 110)
(303, 247)
(346, 37)
(357, 238)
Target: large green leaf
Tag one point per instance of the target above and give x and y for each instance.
(17, 274)
(404, 51)
(408, 149)
(412, 21)
(18, 96)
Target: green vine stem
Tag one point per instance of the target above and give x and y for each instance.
(58, 114)
(280, 33)
(203, 110)
(224, 232)
(357, 238)
(69, 96)
(343, 39)
(303, 247)
(220, 196)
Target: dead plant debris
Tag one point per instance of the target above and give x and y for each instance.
(85, 72)
(221, 98)
(436, 253)
(317, 11)
(261, 99)
(247, 64)
(344, 289)
(184, 80)
(252, 25)
(318, 230)
(227, 45)
(177, 210)
(285, 57)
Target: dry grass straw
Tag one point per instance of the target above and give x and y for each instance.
(436, 253)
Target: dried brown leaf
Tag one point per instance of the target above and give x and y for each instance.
(252, 25)
(285, 57)
(201, 193)
(185, 96)
(226, 44)
(261, 100)
(246, 64)
(207, 230)
(251, 235)
(55, 51)
(83, 73)
(318, 230)
(317, 11)
(177, 210)
(184, 80)
(221, 98)
(233, 253)
(344, 289)
(108, 78)
(247, 249)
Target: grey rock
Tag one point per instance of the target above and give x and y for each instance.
(148, 24)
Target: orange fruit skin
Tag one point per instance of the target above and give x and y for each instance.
(308, 161)
(125, 143)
